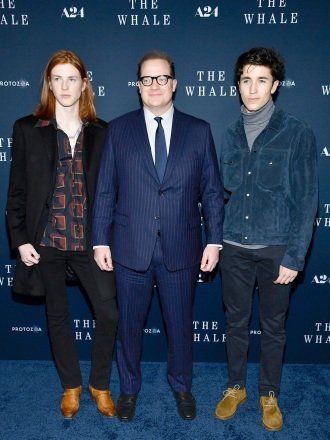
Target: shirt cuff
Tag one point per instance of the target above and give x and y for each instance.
(219, 246)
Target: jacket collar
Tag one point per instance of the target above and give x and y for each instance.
(275, 122)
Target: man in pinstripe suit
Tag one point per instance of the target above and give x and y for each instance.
(153, 218)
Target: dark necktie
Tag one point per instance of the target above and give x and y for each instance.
(160, 149)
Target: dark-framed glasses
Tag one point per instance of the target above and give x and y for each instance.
(161, 80)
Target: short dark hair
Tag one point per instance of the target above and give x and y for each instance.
(261, 56)
(157, 55)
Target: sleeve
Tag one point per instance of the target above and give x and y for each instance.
(105, 195)
(16, 200)
(211, 193)
(304, 200)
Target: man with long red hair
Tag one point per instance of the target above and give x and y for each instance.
(55, 157)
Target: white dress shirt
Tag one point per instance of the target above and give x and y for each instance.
(167, 120)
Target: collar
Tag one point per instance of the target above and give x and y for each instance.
(259, 117)
(47, 122)
(275, 122)
(149, 116)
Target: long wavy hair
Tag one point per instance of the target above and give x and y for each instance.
(46, 107)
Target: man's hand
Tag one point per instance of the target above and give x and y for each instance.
(28, 254)
(210, 258)
(102, 256)
(285, 275)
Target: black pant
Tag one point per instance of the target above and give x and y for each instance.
(240, 269)
(52, 268)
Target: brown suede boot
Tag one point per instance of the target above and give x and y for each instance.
(233, 398)
(271, 413)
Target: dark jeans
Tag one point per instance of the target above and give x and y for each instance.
(52, 268)
(240, 269)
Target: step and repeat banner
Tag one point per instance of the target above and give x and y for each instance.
(204, 37)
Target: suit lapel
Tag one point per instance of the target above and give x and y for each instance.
(140, 136)
(88, 156)
(178, 136)
(49, 137)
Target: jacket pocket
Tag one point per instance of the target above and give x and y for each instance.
(271, 170)
(232, 170)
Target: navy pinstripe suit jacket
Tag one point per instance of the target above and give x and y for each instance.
(133, 207)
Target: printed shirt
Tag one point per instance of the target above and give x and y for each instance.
(66, 226)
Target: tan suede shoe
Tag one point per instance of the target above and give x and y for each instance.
(271, 413)
(70, 402)
(233, 398)
(103, 401)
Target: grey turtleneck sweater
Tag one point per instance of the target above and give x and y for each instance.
(254, 123)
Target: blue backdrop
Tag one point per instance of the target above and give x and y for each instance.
(204, 37)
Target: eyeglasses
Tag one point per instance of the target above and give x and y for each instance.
(161, 80)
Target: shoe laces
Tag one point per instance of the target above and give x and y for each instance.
(271, 400)
(231, 392)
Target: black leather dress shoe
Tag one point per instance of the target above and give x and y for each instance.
(186, 405)
(126, 407)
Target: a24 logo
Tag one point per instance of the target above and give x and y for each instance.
(207, 11)
(321, 279)
(73, 12)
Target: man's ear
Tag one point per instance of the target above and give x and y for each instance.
(275, 85)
